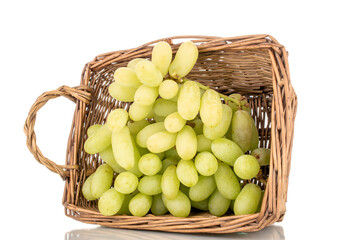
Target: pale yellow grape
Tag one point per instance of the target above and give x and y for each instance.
(203, 188)
(148, 131)
(108, 156)
(145, 95)
(140, 204)
(226, 150)
(123, 148)
(226, 181)
(161, 57)
(186, 173)
(201, 205)
(218, 204)
(150, 185)
(126, 182)
(172, 153)
(206, 163)
(246, 167)
(262, 155)
(86, 189)
(99, 141)
(184, 60)
(161, 141)
(148, 74)
(174, 122)
(126, 77)
(176, 97)
(125, 205)
(122, 93)
(168, 162)
(138, 112)
(242, 129)
(158, 206)
(189, 100)
(158, 118)
(150, 164)
(101, 180)
(110, 202)
(133, 62)
(211, 109)
(197, 125)
(163, 107)
(248, 200)
(254, 136)
(180, 206)
(168, 89)
(117, 119)
(186, 143)
(170, 183)
(219, 130)
(92, 129)
(135, 127)
(203, 143)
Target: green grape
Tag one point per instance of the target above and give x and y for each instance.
(86, 189)
(150, 115)
(140, 204)
(92, 129)
(189, 100)
(172, 153)
(168, 162)
(242, 129)
(123, 148)
(201, 205)
(202, 189)
(158, 206)
(170, 183)
(122, 93)
(186, 143)
(101, 180)
(126, 77)
(132, 63)
(234, 107)
(148, 74)
(197, 125)
(99, 141)
(258, 209)
(226, 181)
(108, 156)
(262, 155)
(247, 200)
(138, 112)
(145, 95)
(254, 136)
(203, 143)
(117, 119)
(184, 189)
(184, 60)
(226, 150)
(148, 131)
(161, 57)
(150, 164)
(174, 122)
(125, 205)
(135, 127)
(168, 89)
(206, 164)
(186, 173)
(246, 167)
(218, 204)
(211, 109)
(180, 206)
(161, 141)
(150, 185)
(163, 107)
(126, 182)
(110, 202)
(219, 130)
(158, 118)
(161, 155)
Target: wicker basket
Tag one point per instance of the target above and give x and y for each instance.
(255, 66)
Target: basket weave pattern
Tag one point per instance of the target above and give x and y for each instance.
(255, 66)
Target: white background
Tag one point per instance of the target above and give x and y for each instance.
(45, 44)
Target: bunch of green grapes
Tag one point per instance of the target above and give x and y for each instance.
(181, 145)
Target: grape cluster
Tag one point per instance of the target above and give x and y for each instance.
(180, 145)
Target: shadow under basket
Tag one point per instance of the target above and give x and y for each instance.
(255, 66)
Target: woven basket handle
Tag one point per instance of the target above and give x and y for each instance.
(81, 93)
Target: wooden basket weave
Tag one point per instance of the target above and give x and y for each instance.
(255, 66)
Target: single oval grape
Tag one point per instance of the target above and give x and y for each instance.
(146, 132)
(226, 150)
(101, 180)
(203, 188)
(110, 202)
(184, 60)
(186, 172)
(248, 199)
(188, 104)
(186, 143)
(218, 204)
(226, 181)
(123, 148)
(168, 89)
(126, 77)
(117, 119)
(161, 141)
(170, 183)
(219, 130)
(126, 182)
(206, 163)
(161, 57)
(147, 73)
(246, 167)
(174, 122)
(180, 206)
(211, 109)
(150, 185)
(262, 155)
(99, 141)
(150, 164)
(122, 93)
(140, 204)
